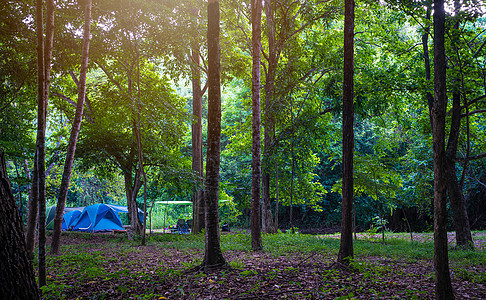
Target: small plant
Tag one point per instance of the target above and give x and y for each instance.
(247, 273)
(236, 264)
(122, 289)
(294, 230)
(379, 223)
(92, 272)
(349, 296)
(54, 291)
(292, 270)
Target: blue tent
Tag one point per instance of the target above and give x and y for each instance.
(51, 211)
(69, 219)
(98, 217)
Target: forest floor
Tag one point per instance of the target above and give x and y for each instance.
(291, 266)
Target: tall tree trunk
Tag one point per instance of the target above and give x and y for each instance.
(443, 285)
(73, 138)
(346, 248)
(140, 158)
(16, 271)
(197, 147)
(268, 225)
(138, 137)
(44, 55)
(425, 47)
(454, 188)
(256, 20)
(213, 257)
(292, 179)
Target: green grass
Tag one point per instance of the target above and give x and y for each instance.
(394, 247)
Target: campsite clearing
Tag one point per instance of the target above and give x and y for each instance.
(295, 266)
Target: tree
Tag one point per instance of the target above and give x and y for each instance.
(16, 271)
(256, 16)
(68, 165)
(269, 128)
(454, 187)
(126, 52)
(213, 257)
(197, 142)
(109, 142)
(443, 287)
(44, 55)
(346, 249)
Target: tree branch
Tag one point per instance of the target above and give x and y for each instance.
(473, 113)
(110, 77)
(480, 156)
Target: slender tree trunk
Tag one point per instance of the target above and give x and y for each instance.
(454, 188)
(138, 136)
(44, 55)
(33, 210)
(68, 165)
(16, 272)
(197, 147)
(425, 47)
(346, 248)
(256, 17)
(21, 206)
(213, 257)
(276, 194)
(443, 285)
(268, 225)
(132, 206)
(292, 174)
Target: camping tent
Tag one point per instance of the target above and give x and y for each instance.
(51, 212)
(69, 219)
(98, 217)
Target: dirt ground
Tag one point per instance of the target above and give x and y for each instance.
(159, 272)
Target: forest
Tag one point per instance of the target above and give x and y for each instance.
(339, 143)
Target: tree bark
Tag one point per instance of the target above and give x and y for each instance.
(454, 188)
(213, 257)
(256, 17)
(425, 47)
(346, 248)
(33, 210)
(132, 186)
(443, 285)
(277, 196)
(140, 154)
(197, 147)
(16, 271)
(44, 56)
(268, 224)
(68, 165)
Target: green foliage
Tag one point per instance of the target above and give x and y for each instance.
(54, 290)
(393, 161)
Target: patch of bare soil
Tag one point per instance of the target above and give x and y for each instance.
(156, 272)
